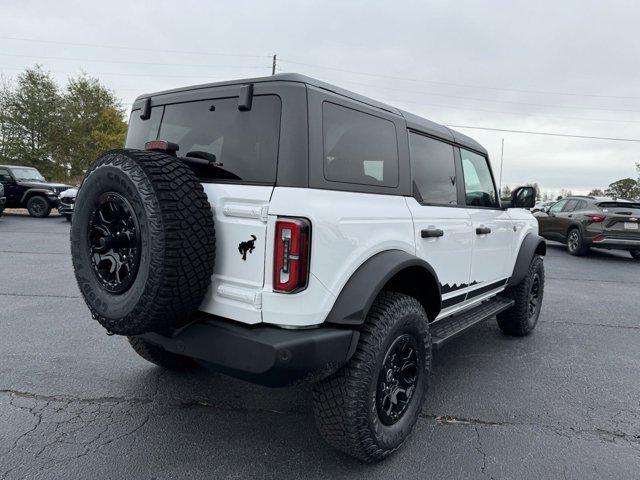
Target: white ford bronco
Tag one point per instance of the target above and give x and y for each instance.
(283, 230)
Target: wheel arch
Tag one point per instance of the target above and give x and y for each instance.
(32, 192)
(393, 270)
(531, 245)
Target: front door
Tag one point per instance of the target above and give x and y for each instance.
(11, 189)
(492, 228)
(442, 230)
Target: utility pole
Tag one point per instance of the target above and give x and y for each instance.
(273, 65)
(501, 161)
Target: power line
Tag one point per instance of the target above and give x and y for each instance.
(120, 47)
(450, 84)
(546, 133)
(155, 75)
(130, 62)
(487, 100)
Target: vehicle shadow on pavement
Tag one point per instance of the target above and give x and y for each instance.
(594, 253)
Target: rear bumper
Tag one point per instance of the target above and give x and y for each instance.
(265, 355)
(617, 243)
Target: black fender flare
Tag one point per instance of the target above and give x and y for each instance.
(354, 301)
(531, 245)
(30, 192)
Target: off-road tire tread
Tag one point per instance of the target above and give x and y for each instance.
(513, 321)
(160, 356)
(182, 264)
(47, 211)
(340, 407)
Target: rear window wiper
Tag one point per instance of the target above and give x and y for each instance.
(206, 165)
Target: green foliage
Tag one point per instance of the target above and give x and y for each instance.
(596, 192)
(505, 192)
(625, 188)
(60, 131)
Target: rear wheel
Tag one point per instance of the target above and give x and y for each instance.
(635, 254)
(160, 356)
(38, 207)
(369, 407)
(575, 243)
(142, 242)
(522, 318)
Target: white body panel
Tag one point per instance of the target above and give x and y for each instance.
(240, 211)
(491, 252)
(449, 255)
(346, 230)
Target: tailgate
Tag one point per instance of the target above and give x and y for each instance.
(240, 213)
(622, 220)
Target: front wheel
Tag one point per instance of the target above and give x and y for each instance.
(369, 407)
(522, 317)
(38, 207)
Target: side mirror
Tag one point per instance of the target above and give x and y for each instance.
(523, 197)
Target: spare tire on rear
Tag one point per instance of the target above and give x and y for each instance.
(142, 242)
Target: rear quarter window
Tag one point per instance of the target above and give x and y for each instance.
(358, 147)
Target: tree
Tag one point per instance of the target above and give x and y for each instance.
(506, 192)
(564, 193)
(58, 131)
(596, 192)
(624, 188)
(30, 111)
(92, 122)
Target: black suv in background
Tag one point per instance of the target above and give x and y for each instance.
(582, 222)
(25, 187)
(2, 199)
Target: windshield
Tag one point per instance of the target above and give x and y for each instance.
(27, 174)
(220, 142)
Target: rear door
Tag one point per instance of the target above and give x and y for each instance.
(492, 227)
(234, 154)
(442, 230)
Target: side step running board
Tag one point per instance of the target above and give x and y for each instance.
(450, 327)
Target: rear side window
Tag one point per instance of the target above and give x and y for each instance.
(231, 145)
(571, 206)
(433, 170)
(358, 147)
(479, 188)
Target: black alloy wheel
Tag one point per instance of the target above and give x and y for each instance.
(397, 379)
(114, 242)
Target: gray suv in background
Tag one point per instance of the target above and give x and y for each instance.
(582, 222)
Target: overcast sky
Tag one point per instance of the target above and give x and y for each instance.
(566, 67)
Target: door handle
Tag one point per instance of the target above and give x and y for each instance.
(570, 215)
(483, 230)
(431, 233)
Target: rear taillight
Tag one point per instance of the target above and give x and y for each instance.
(595, 217)
(291, 255)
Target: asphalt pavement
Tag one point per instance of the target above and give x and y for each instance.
(76, 403)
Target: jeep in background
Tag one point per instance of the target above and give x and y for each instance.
(283, 230)
(582, 222)
(25, 187)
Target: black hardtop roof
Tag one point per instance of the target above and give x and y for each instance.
(18, 166)
(414, 122)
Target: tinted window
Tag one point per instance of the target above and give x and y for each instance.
(358, 147)
(230, 145)
(479, 188)
(433, 170)
(570, 206)
(557, 207)
(141, 131)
